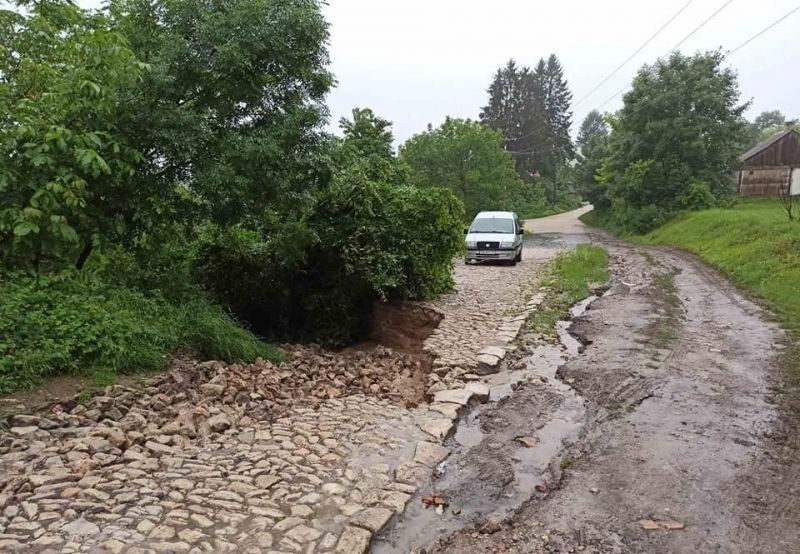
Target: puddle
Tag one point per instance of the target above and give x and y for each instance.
(541, 245)
(468, 433)
(475, 496)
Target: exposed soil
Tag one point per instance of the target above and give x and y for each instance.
(403, 326)
(57, 389)
(690, 427)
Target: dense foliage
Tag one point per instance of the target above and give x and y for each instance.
(674, 144)
(768, 123)
(64, 165)
(360, 240)
(157, 147)
(468, 158)
(593, 139)
(229, 117)
(79, 325)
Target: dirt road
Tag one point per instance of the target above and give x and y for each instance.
(671, 429)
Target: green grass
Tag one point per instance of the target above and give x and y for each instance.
(78, 325)
(756, 245)
(570, 278)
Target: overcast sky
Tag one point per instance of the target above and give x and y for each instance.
(416, 61)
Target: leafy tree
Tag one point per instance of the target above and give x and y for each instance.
(360, 240)
(771, 131)
(765, 125)
(368, 144)
(368, 134)
(680, 132)
(65, 169)
(229, 119)
(767, 119)
(467, 158)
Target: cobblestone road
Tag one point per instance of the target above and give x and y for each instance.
(323, 478)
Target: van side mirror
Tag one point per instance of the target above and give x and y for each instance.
(466, 231)
(520, 231)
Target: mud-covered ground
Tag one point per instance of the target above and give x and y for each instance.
(688, 442)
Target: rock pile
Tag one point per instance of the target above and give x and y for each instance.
(199, 399)
(309, 373)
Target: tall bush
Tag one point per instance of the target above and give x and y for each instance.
(362, 242)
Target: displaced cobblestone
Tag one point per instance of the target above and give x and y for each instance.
(314, 455)
(319, 479)
(481, 318)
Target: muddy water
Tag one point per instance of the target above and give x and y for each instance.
(507, 474)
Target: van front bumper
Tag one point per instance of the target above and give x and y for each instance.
(494, 254)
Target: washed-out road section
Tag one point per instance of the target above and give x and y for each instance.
(318, 454)
(661, 422)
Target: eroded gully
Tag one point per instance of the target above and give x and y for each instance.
(495, 466)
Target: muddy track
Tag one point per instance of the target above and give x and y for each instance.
(690, 423)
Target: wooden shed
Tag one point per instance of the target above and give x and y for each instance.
(772, 167)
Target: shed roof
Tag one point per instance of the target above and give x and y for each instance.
(764, 144)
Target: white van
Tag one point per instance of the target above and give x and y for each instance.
(495, 236)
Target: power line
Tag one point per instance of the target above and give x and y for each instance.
(761, 32)
(610, 98)
(703, 24)
(684, 39)
(730, 53)
(742, 45)
(629, 58)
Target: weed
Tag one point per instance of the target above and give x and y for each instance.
(85, 395)
(104, 378)
(567, 281)
(67, 325)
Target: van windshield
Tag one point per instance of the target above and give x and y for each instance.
(492, 225)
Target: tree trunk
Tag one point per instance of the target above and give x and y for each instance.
(84, 255)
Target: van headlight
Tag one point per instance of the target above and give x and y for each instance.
(506, 243)
(472, 244)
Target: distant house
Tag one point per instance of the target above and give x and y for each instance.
(772, 167)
